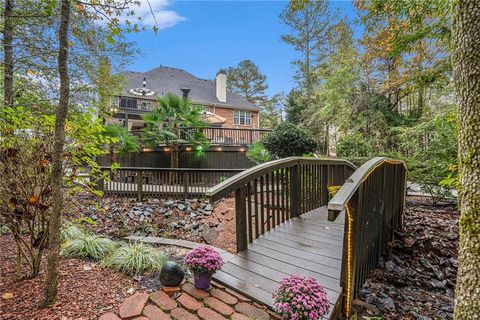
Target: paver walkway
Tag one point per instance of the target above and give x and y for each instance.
(190, 304)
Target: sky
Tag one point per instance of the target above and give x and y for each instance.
(202, 37)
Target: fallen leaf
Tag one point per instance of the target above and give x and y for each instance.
(7, 295)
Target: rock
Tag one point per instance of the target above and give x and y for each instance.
(87, 268)
(388, 304)
(209, 234)
(93, 217)
(142, 217)
(149, 209)
(182, 207)
(169, 203)
(171, 274)
(208, 207)
(454, 262)
(131, 215)
(389, 265)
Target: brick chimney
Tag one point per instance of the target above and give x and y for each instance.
(221, 85)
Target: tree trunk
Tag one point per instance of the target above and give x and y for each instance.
(327, 140)
(8, 53)
(174, 156)
(466, 67)
(51, 281)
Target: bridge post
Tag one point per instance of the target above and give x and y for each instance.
(139, 185)
(295, 192)
(241, 218)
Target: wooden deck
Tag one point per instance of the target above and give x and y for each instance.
(308, 245)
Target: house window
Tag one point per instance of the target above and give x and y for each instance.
(242, 117)
(128, 103)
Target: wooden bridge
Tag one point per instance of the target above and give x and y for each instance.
(287, 225)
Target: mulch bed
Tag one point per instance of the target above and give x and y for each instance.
(418, 280)
(84, 293)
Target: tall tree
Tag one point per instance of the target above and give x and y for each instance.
(8, 52)
(294, 107)
(50, 294)
(271, 112)
(466, 63)
(310, 24)
(246, 80)
(174, 122)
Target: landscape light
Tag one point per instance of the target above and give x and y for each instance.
(166, 149)
(219, 149)
(188, 149)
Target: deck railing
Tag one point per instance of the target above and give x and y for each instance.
(162, 182)
(226, 136)
(373, 199)
(274, 192)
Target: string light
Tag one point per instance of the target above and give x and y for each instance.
(349, 284)
(147, 149)
(349, 260)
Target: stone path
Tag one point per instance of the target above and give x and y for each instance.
(190, 304)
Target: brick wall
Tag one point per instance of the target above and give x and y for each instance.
(228, 114)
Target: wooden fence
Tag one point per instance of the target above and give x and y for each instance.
(373, 199)
(273, 192)
(162, 182)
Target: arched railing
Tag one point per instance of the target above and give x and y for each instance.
(373, 199)
(274, 192)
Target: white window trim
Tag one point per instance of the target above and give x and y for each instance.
(247, 115)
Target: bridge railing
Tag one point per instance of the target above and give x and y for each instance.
(162, 182)
(373, 199)
(274, 192)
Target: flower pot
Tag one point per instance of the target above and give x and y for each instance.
(202, 280)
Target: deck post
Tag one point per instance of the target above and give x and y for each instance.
(295, 192)
(241, 219)
(139, 185)
(185, 184)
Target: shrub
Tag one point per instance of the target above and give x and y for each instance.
(300, 298)
(203, 259)
(136, 258)
(353, 145)
(89, 246)
(257, 153)
(288, 140)
(73, 231)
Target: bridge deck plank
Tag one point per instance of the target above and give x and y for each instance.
(309, 245)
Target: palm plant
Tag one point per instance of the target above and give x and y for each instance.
(123, 142)
(174, 122)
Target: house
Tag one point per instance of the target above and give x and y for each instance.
(223, 109)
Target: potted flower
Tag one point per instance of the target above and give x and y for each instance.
(203, 261)
(300, 298)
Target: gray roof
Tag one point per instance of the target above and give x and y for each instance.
(164, 80)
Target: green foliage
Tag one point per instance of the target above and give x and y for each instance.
(353, 145)
(73, 231)
(136, 258)
(171, 122)
(122, 139)
(295, 107)
(288, 140)
(246, 80)
(88, 246)
(26, 149)
(257, 153)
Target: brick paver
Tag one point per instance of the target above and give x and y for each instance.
(162, 300)
(252, 311)
(209, 314)
(218, 306)
(239, 316)
(109, 316)
(223, 296)
(197, 293)
(155, 313)
(132, 307)
(182, 314)
(188, 302)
